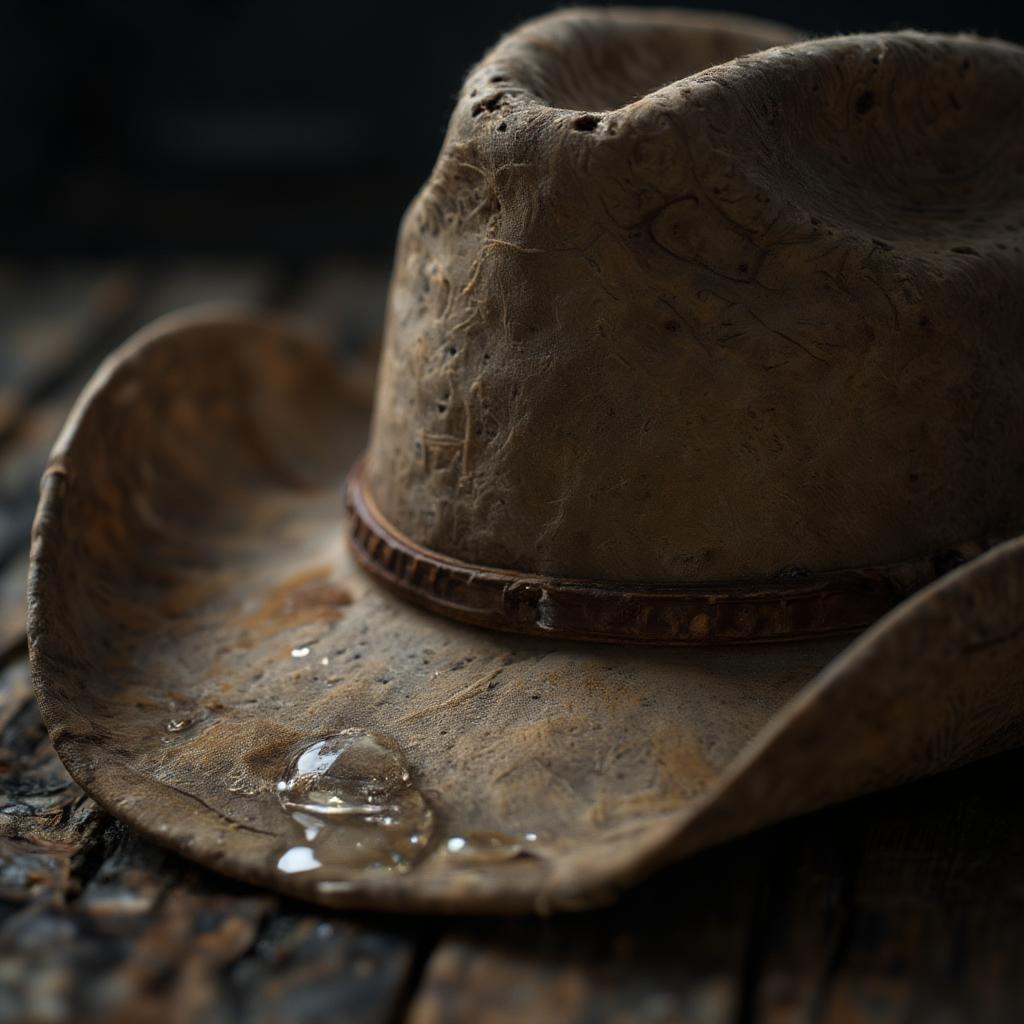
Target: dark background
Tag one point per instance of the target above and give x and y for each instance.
(294, 130)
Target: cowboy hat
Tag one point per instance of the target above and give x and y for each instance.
(691, 498)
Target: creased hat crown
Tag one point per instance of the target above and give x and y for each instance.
(652, 322)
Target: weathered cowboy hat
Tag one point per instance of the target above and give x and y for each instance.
(696, 366)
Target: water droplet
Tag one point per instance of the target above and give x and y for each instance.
(182, 721)
(530, 837)
(297, 860)
(482, 847)
(352, 797)
(300, 652)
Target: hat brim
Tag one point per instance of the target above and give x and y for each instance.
(195, 620)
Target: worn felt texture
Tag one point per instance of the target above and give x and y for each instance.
(664, 315)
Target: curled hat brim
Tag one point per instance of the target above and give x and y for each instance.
(196, 620)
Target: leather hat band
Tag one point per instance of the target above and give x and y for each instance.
(791, 606)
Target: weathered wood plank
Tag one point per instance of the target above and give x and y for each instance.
(202, 955)
(12, 605)
(46, 822)
(902, 906)
(937, 922)
(309, 967)
(674, 950)
(22, 461)
(50, 319)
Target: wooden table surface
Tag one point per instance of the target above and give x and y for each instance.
(904, 906)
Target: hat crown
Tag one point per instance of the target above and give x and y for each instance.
(763, 317)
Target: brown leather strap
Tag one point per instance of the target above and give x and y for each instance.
(791, 606)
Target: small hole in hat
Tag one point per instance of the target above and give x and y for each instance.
(490, 104)
(865, 101)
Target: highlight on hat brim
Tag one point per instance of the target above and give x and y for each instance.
(197, 627)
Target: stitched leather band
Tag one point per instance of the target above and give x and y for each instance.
(791, 606)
